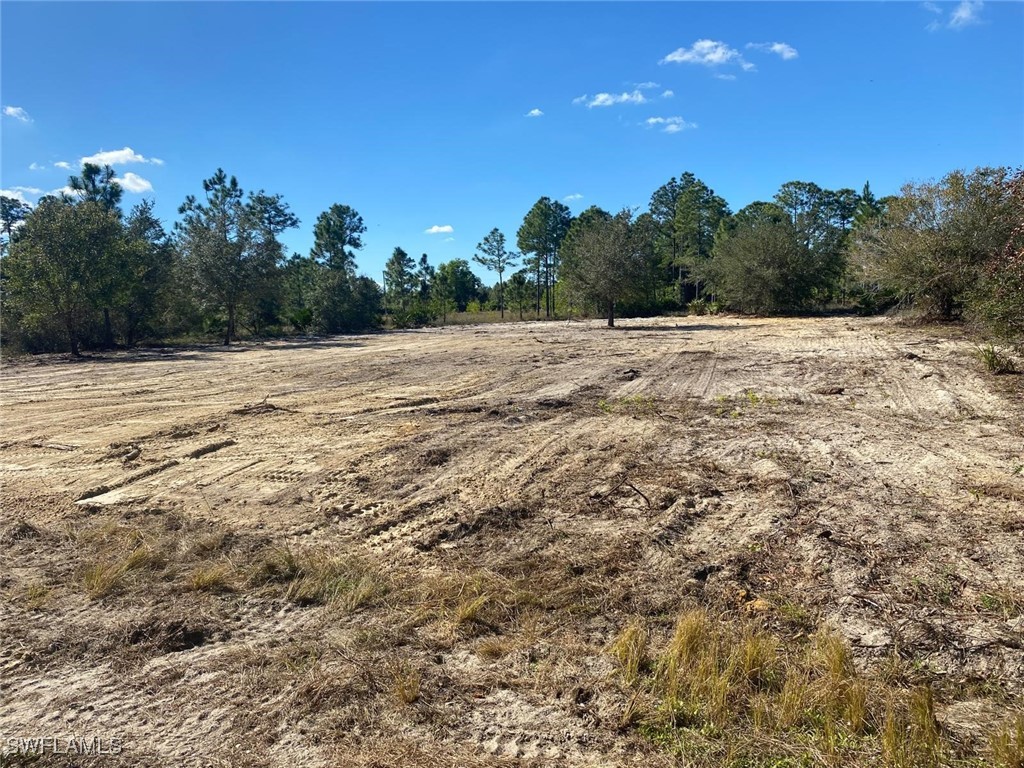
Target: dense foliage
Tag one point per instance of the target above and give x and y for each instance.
(78, 273)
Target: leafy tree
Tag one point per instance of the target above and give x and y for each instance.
(604, 262)
(146, 265)
(822, 220)
(519, 290)
(51, 269)
(868, 209)
(761, 263)
(442, 295)
(230, 242)
(493, 256)
(663, 213)
(300, 277)
(698, 213)
(400, 280)
(998, 299)
(934, 240)
(12, 213)
(424, 276)
(337, 234)
(543, 229)
(465, 286)
(97, 185)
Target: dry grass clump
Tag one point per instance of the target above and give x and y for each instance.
(120, 560)
(1006, 747)
(406, 680)
(183, 554)
(316, 577)
(722, 692)
(482, 601)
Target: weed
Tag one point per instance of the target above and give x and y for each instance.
(37, 596)
(634, 405)
(1004, 601)
(407, 680)
(630, 648)
(995, 361)
(1007, 744)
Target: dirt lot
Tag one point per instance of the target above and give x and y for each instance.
(470, 546)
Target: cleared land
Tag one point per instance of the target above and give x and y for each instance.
(519, 544)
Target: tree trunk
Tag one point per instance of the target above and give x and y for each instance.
(72, 337)
(231, 325)
(501, 296)
(611, 314)
(108, 330)
(547, 288)
(538, 287)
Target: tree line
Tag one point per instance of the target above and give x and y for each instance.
(80, 273)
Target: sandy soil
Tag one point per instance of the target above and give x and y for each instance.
(847, 471)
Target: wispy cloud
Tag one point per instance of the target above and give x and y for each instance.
(669, 124)
(667, 94)
(36, 167)
(648, 86)
(442, 229)
(534, 113)
(721, 76)
(119, 157)
(449, 240)
(18, 114)
(708, 53)
(785, 50)
(134, 183)
(610, 99)
(966, 14)
(62, 164)
(574, 196)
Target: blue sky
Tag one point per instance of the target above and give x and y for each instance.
(419, 115)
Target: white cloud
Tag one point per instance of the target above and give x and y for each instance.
(931, 8)
(610, 99)
(439, 230)
(133, 183)
(668, 94)
(785, 50)
(669, 124)
(14, 194)
(119, 157)
(36, 167)
(449, 240)
(66, 190)
(18, 114)
(570, 198)
(648, 86)
(720, 76)
(534, 113)
(966, 14)
(62, 164)
(710, 53)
